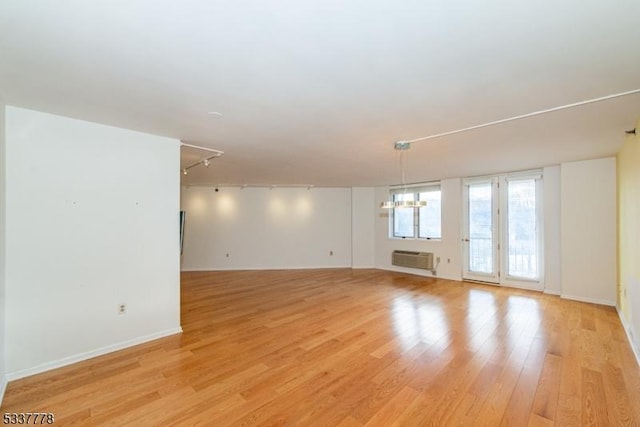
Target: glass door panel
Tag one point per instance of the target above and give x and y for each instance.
(522, 230)
(480, 244)
(480, 229)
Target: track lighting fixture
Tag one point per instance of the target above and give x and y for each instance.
(269, 186)
(205, 161)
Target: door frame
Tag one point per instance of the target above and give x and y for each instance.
(500, 235)
(506, 279)
(467, 274)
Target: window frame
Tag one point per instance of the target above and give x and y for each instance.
(415, 190)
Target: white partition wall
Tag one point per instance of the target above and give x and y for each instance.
(362, 227)
(551, 218)
(588, 230)
(2, 249)
(92, 223)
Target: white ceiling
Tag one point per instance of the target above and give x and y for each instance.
(317, 92)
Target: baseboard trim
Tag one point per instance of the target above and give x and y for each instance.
(327, 267)
(552, 292)
(418, 272)
(3, 387)
(629, 333)
(589, 300)
(522, 287)
(11, 376)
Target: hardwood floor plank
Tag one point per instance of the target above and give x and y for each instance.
(519, 407)
(392, 410)
(349, 422)
(497, 400)
(342, 347)
(631, 376)
(536, 420)
(545, 402)
(204, 412)
(595, 412)
(570, 395)
(619, 407)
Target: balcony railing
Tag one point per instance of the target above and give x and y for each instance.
(523, 257)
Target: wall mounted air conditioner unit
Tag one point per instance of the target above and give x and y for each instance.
(423, 260)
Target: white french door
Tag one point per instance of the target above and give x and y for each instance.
(501, 241)
(480, 241)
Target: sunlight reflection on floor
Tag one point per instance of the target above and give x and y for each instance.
(418, 321)
(426, 321)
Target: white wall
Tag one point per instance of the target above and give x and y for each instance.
(3, 381)
(363, 202)
(588, 230)
(92, 222)
(448, 249)
(261, 228)
(628, 290)
(551, 207)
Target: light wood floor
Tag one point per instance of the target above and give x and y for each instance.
(353, 348)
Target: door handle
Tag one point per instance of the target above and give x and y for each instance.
(465, 240)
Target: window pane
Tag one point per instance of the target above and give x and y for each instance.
(523, 236)
(403, 217)
(430, 215)
(480, 228)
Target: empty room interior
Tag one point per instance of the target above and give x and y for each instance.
(320, 213)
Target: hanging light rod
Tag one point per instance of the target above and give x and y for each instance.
(524, 116)
(402, 147)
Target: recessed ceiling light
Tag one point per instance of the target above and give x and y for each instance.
(215, 114)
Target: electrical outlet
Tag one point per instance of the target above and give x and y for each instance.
(438, 260)
(122, 308)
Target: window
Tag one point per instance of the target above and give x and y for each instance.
(429, 217)
(423, 222)
(403, 218)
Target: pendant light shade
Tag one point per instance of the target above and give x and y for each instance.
(387, 205)
(403, 204)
